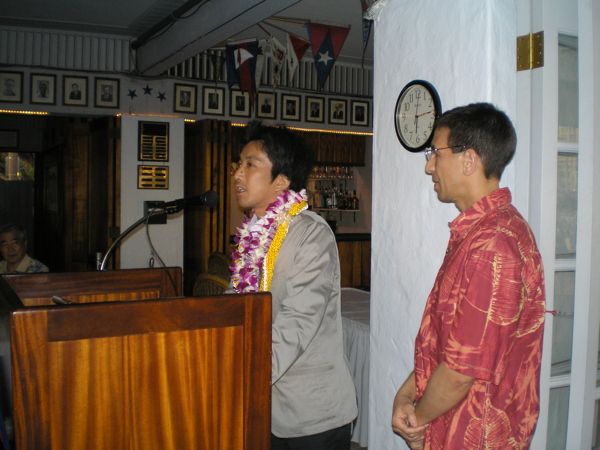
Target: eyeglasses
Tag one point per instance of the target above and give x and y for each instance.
(430, 151)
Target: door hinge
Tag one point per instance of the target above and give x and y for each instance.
(530, 51)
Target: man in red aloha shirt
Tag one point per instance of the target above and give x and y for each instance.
(477, 355)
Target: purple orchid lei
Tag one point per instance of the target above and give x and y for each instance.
(252, 248)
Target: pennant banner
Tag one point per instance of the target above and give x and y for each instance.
(278, 52)
(260, 61)
(326, 42)
(296, 48)
(241, 66)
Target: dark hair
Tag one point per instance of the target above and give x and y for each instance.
(12, 228)
(289, 153)
(486, 130)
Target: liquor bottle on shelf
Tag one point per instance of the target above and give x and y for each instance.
(354, 201)
(327, 199)
(316, 199)
(342, 199)
(334, 198)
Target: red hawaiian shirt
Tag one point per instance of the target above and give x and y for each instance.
(484, 318)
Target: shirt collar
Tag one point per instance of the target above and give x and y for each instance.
(465, 221)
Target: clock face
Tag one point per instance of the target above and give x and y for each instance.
(417, 109)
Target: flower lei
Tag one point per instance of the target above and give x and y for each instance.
(257, 250)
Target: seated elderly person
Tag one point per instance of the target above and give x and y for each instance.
(13, 247)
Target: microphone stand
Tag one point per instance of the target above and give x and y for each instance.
(125, 233)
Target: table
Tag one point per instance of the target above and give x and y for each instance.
(355, 323)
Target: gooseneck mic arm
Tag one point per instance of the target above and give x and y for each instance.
(209, 198)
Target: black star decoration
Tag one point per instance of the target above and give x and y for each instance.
(132, 94)
(161, 96)
(147, 90)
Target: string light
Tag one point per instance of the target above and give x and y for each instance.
(36, 113)
(359, 133)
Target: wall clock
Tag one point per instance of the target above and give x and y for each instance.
(417, 109)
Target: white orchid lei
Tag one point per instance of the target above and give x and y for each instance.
(252, 247)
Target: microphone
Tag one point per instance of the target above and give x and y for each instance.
(209, 198)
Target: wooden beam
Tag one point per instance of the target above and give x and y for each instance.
(210, 24)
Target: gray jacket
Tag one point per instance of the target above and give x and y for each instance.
(312, 389)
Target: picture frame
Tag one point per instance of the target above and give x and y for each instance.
(75, 91)
(359, 114)
(185, 98)
(291, 107)
(266, 106)
(106, 92)
(42, 89)
(239, 104)
(11, 87)
(9, 139)
(338, 111)
(213, 101)
(315, 109)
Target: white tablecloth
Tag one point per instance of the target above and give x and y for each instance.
(355, 322)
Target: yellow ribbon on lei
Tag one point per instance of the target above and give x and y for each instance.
(282, 230)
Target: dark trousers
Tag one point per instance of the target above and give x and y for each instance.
(336, 439)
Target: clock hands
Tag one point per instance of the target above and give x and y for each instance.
(424, 114)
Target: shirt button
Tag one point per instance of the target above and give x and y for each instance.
(416, 352)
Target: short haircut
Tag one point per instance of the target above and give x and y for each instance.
(486, 130)
(12, 228)
(289, 153)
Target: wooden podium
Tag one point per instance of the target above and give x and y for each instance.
(147, 372)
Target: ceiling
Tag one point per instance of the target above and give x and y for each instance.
(136, 17)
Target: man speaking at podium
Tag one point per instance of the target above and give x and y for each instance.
(291, 252)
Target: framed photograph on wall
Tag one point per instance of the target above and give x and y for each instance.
(11, 87)
(185, 98)
(315, 109)
(266, 107)
(337, 111)
(43, 89)
(213, 101)
(290, 107)
(75, 91)
(239, 104)
(360, 114)
(106, 93)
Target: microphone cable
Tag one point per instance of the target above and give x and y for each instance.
(154, 252)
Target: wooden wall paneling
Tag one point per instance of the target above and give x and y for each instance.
(327, 148)
(222, 186)
(49, 230)
(343, 148)
(355, 263)
(354, 149)
(312, 138)
(98, 201)
(207, 166)
(345, 251)
(365, 263)
(76, 196)
(195, 219)
(114, 188)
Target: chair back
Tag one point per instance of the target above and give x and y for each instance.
(218, 264)
(209, 284)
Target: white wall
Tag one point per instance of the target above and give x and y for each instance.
(466, 49)
(167, 239)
